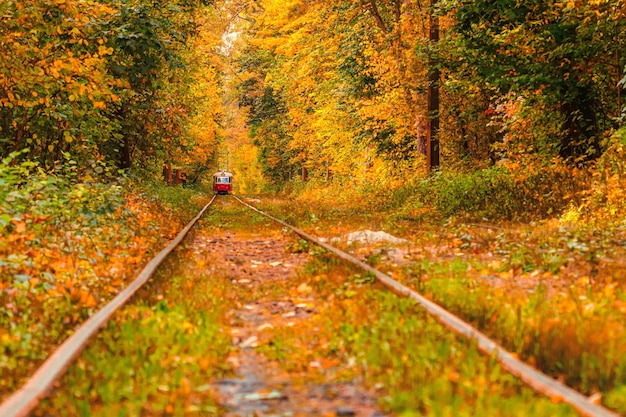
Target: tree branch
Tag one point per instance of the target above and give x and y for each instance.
(397, 9)
(372, 7)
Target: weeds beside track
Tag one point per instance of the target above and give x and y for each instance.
(538, 381)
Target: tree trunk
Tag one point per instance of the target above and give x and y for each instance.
(432, 147)
(619, 84)
(19, 136)
(167, 173)
(125, 161)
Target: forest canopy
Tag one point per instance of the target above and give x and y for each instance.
(344, 91)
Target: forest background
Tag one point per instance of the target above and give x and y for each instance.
(492, 109)
(426, 110)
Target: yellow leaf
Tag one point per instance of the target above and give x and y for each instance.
(103, 50)
(188, 327)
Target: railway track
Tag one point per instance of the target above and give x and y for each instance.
(22, 402)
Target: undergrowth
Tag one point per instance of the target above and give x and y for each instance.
(68, 243)
(159, 354)
(416, 366)
(495, 193)
(573, 332)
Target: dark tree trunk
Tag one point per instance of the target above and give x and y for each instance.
(125, 161)
(19, 136)
(432, 147)
(167, 173)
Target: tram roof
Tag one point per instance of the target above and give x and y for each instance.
(223, 174)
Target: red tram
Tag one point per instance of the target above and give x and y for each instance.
(223, 182)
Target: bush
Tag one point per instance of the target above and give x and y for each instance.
(68, 243)
(605, 200)
(495, 193)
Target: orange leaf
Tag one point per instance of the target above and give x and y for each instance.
(20, 227)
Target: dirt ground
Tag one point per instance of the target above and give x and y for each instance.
(270, 297)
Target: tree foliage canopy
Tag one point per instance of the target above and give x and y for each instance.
(106, 80)
(353, 76)
(337, 89)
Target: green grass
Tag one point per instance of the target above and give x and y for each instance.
(415, 365)
(229, 214)
(157, 355)
(575, 335)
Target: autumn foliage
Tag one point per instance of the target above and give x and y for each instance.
(327, 101)
(66, 247)
(336, 93)
(110, 81)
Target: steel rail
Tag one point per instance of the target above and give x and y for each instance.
(24, 400)
(538, 381)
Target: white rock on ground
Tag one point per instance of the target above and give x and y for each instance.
(368, 236)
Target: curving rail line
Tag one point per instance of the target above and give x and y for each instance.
(537, 380)
(23, 401)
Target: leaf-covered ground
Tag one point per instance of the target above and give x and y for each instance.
(66, 248)
(552, 291)
(247, 318)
